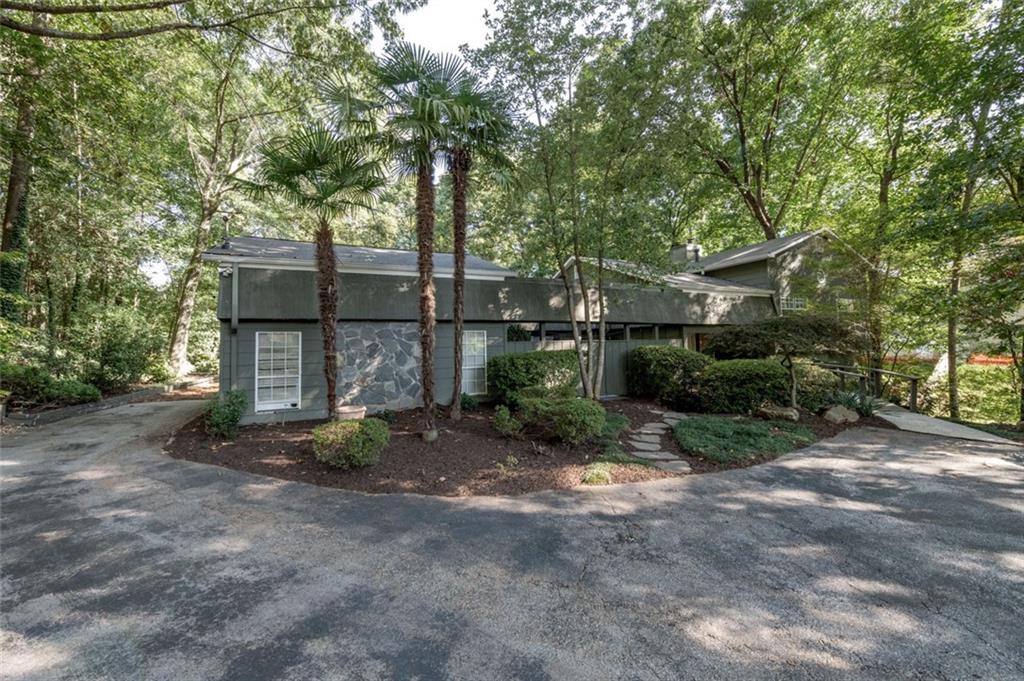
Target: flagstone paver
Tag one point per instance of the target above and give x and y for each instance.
(645, 446)
(673, 466)
(655, 456)
(644, 437)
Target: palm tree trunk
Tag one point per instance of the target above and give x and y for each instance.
(428, 305)
(460, 164)
(327, 292)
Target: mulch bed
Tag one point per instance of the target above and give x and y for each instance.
(469, 458)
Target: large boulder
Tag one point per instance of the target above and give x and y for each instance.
(770, 411)
(840, 414)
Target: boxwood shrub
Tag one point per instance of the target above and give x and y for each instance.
(667, 373)
(508, 374)
(350, 444)
(815, 387)
(740, 386)
(573, 421)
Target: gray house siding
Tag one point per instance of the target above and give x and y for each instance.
(378, 344)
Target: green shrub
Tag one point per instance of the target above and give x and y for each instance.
(350, 444)
(613, 425)
(561, 392)
(509, 374)
(72, 392)
(740, 386)
(469, 402)
(598, 473)
(815, 387)
(505, 423)
(862, 403)
(27, 384)
(116, 346)
(667, 373)
(224, 412)
(730, 440)
(987, 394)
(573, 421)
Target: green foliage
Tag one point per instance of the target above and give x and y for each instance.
(505, 423)
(862, 403)
(350, 444)
(613, 425)
(517, 332)
(469, 402)
(509, 374)
(573, 421)
(815, 387)
(788, 336)
(13, 265)
(115, 347)
(67, 391)
(598, 473)
(741, 386)
(987, 394)
(224, 412)
(666, 373)
(387, 416)
(727, 440)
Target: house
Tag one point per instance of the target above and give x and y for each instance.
(271, 346)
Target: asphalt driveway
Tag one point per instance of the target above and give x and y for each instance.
(878, 554)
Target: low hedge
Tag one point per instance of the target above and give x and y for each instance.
(667, 373)
(508, 374)
(740, 386)
(573, 421)
(350, 444)
(30, 385)
(815, 387)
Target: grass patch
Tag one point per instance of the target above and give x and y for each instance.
(598, 473)
(1001, 429)
(727, 440)
(613, 425)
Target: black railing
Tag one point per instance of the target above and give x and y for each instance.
(869, 375)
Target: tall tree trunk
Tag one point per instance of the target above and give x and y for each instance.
(13, 264)
(177, 354)
(952, 323)
(20, 168)
(327, 294)
(428, 304)
(460, 165)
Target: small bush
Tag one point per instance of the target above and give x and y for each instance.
(562, 392)
(224, 412)
(350, 444)
(27, 384)
(667, 373)
(509, 374)
(730, 440)
(598, 473)
(613, 425)
(862, 403)
(740, 386)
(815, 387)
(573, 421)
(72, 392)
(469, 402)
(505, 423)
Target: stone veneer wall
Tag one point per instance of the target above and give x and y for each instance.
(379, 365)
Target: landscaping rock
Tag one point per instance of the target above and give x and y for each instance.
(841, 414)
(780, 413)
(647, 437)
(655, 456)
(656, 425)
(646, 446)
(673, 415)
(673, 466)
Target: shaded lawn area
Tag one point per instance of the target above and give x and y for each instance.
(1007, 430)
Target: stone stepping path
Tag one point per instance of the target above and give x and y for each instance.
(646, 442)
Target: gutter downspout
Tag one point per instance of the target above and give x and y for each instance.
(234, 327)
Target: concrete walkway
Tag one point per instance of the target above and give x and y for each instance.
(921, 423)
(873, 555)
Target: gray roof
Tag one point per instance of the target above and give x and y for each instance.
(684, 281)
(751, 253)
(282, 251)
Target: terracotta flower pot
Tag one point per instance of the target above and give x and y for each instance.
(350, 412)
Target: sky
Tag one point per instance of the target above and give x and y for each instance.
(444, 25)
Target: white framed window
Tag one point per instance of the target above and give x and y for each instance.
(474, 362)
(278, 370)
(793, 304)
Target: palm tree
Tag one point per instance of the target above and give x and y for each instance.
(417, 89)
(316, 169)
(480, 127)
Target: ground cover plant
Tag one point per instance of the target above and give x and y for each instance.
(729, 440)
